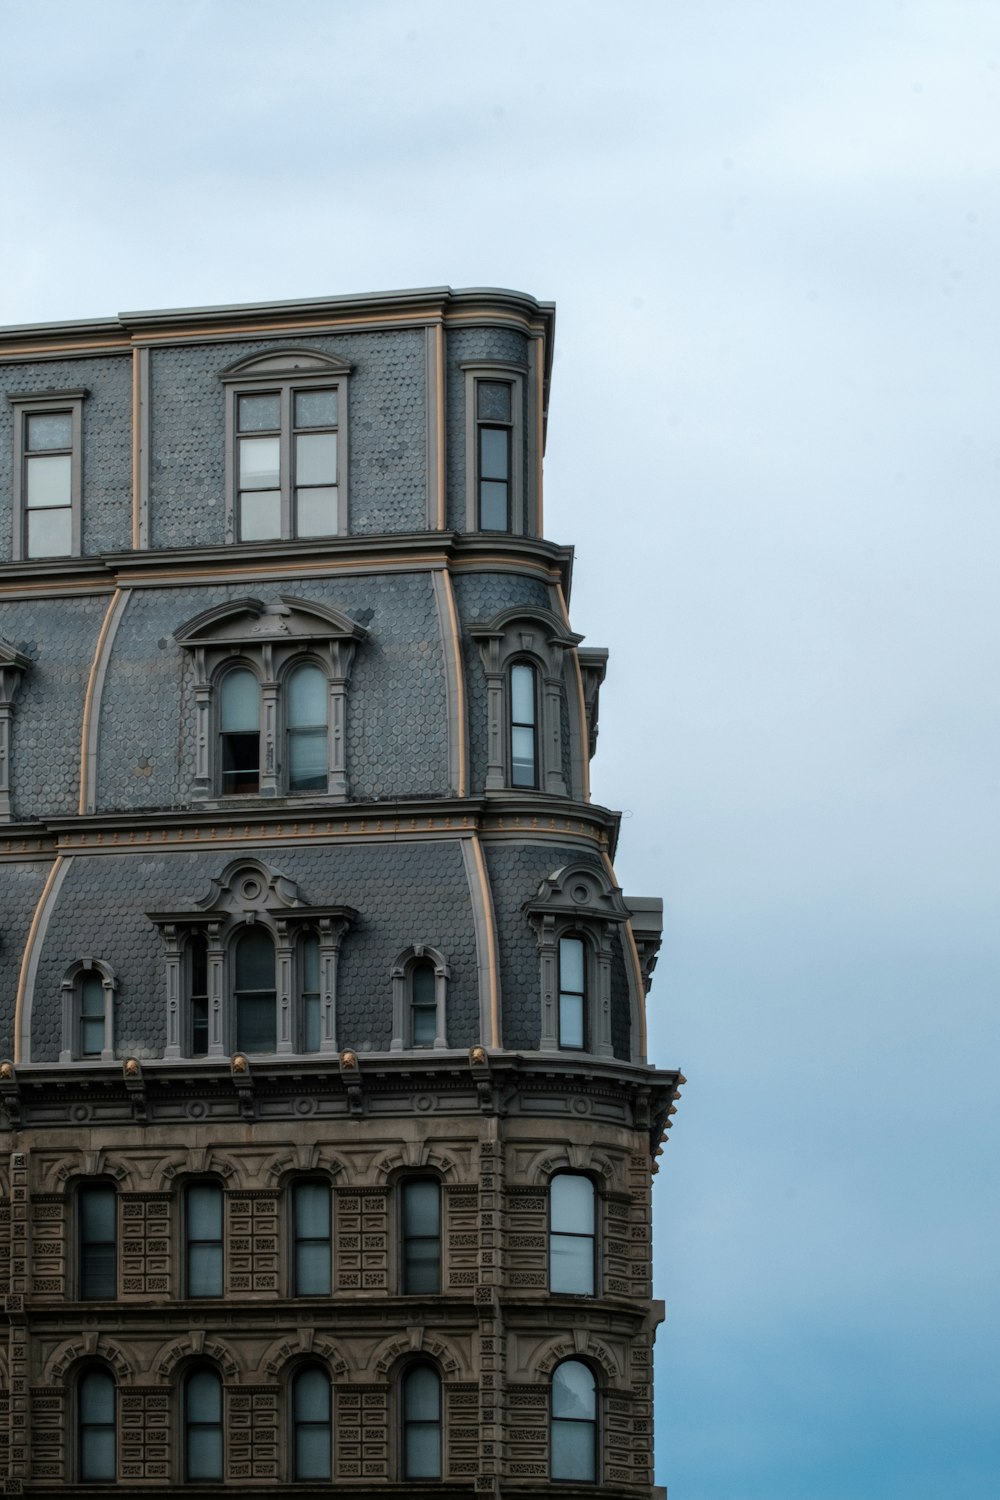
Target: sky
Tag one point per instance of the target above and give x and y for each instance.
(771, 229)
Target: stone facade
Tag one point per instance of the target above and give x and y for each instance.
(314, 1019)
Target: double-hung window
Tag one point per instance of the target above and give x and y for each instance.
(287, 448)
(98, 1217)
(311, 1228)
(311, 1423)
(574, 1422)
(421, 1216)
(572, 993)
(48, 479)
(523, 725)
(422, 1423)
(494, 400)
(202, 1425)
(95, 1414)
(203, 1239)
(572, 1239)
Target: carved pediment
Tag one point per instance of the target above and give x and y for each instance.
(284, 364)
(581, 891)
(249, 622)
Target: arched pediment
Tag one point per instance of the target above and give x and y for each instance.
(578, 890)
(250, 884)
(282, 364)
(249, 622)
(518, 619)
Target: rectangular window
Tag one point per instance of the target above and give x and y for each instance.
(571, 1234)
(91, 1014)
(47, 474)
(203, 1238)
(523, 726)
(98, 1209)
(493, 423)
(311, 1222)
(572, 993)
(494, 452)
(421, 1214)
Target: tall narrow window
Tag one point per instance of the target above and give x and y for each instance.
(202, 1425)
(48, 484)
(98, 1215)
(203, 1239)
(421, 1214)
(311, 1223)
(423, 1004)
(198, 993)
(310, 992)
(523, 726)
(258, 420)
(256, 1020)
(422, 1423)
(92, 1013)
(571, 1234)
(239, 724)
(314, 433)
(95, 1416)
(308, 692)
(494, 422)
(311, 1421)
(574, 1422)
(572, 993)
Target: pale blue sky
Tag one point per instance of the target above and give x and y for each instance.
(772, 231)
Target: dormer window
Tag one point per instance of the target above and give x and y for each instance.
(286, 452)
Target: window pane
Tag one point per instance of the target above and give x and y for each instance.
(312, 1269)
(493, 453)
(316, 458)
(572, 1204)
(205, 1271)
(260, 460)
(571, 1021)
(424, 984)
(259, 413)
(573, 1451)
(421, 1208)
(571, 964)
(204, 1211)
(49, 481)
(50, 533)
(97, 1398)
(312, 1397)
(97, 1214)
(307, 693)
(310, 963)
(199, 1027)
(422, 1395)
(198, 950)
(204, 1397)
(316, 408)
(316, 511)
(573, 1392)
(493, 400)
(256, 1023)
(239, 701)
(312, 1452)
(307, 768)
(97, 1453)
(204, 1453)
(492, 506)
(255, 961)
(311, 1038)
(260, 515)
(522, 694)
(97, 1272)
(91, 1037)
(424, 1026)
(92, 994)
(422, 1267)
(522, 756)
(571, 1264)
(241, 762)
(312, 1210)
(51, 429)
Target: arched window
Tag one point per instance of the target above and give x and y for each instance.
(419, 999)
(197, 974)
(523, 725)
(311, 1232)
(202, 1424)
(572, 1205)
(572, 993)
(97, 1212)
(95, 1423)
(310, 991)
(574, 1422)
(88, 1027)
(422, 1423)
(239, 732)
(254, 992)
(203, 1239)
(306, 719)
(92, 1012)
(421, 1217)
(311, 1423)
(423, 1004)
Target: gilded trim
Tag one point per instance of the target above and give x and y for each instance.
(444, 599)
(485, 924)
(95, 683)
(29, 958)
(638, 988)
(581, 700)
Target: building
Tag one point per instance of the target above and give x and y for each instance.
(328, 1126)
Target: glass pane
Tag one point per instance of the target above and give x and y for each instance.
(522, 694)
(49, 481)
(316, 408)
(421, 1208)
(256, 1023)
(493, 400)
(316, 458)
(493, 453)
(260, 516)
(199, 1027)
(312, 1452)
(423, 1451)
(522, 756)
(423, 1395)
(92, 1037)
(97, 1398)
(204, 1397)
(571, 964)
(307, 697)
(92, 994)
(51, 429)
(310, 963)
(97, 1214)
(424, 1025)
(311, 1039)
(259, 413)
(255, 961)
(205, 1271)
(492, 506)
(98, 1276)
(571, 1020)
(312, 1397)
(422, 1267)
(204, 1211)
(316, 511)
(198, 950)
(260, 460)
(307, 770)
(312, 1210)
(424, 984)
(573, 1391)
(50, 533)
(239, 701)
(241, 762)
(97, 1453)
(571, 1264)
(572, 1204)
(204, 1453)
(312, 1269)
(573, 1451)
